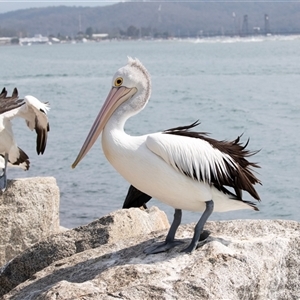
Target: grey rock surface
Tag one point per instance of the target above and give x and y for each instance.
(241, 259)
(29, 212)
(119, 225)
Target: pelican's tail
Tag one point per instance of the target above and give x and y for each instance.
(227, 201)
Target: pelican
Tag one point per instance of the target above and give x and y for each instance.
(35, 114)
(184, 169)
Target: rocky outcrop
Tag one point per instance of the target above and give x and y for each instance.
(249, 259)
(29, 212)
(117, 226)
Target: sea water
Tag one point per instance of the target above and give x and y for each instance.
(233, 86)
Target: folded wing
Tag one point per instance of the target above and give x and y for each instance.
(219, 163)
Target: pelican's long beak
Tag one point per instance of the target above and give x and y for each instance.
(115, 98)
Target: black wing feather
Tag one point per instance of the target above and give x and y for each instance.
(240, 178)
(9, 103)
(135, 198)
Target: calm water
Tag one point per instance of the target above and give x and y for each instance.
(232, 86)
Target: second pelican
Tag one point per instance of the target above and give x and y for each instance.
(35, 114)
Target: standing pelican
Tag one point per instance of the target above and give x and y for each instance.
(186, 170)
(35, 114)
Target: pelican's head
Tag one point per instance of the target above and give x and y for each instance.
(131, 86)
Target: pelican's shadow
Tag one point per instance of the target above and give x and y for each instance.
(93, 267)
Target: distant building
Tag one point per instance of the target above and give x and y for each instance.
(99, 36)
(256, 30)
(37, 39)
(5, 40)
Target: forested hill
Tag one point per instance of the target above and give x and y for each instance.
(171, 18)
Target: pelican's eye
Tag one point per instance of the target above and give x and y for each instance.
(118, 81)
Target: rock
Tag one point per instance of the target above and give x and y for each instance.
(29, 212)
(111, 229)
(241, 259)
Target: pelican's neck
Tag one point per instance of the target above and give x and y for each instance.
(114, 138)
(125, 111)
(118, 119)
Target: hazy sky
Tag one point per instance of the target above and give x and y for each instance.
(9, 5)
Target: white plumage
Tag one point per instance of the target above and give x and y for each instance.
(184, 169)
(190, 155)
(35, 114)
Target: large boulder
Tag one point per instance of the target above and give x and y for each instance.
(29, 212)
(117, 226)
(249, 259)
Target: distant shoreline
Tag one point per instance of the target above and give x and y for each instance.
(6, 41)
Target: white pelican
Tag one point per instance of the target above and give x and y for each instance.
(35, 114)
(186, 170)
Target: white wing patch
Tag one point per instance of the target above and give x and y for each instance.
(193, 157)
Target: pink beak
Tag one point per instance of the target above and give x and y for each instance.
(115, 98)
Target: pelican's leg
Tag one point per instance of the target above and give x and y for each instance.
(199, 227)
(3, 179)
(170, 241)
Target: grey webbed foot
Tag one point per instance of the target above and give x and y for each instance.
(204, 235)
(162, 247)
